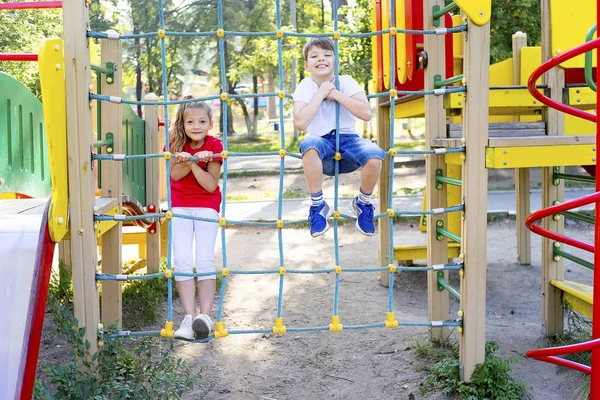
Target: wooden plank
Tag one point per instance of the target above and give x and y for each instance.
(552, 311)
(475, 177)
(539, 156)
(103, 204)
(81, 173)
(435, 127)
(153, 183)
(411, 252)
(384, 141)
(542, 141)
(112, 185)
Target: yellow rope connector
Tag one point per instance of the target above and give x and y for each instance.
(459, 330)
(337, 269)
(220, 33)
(335, 325)
(461, 273)
(282, 153)
(463, 81)
(169, 214)
(281, 94)
(225, 272)
(462, 156)
(282, 271)
(393, 93)
(161, 33)
(224, 154)
(460, 313)
(390, 321)
(336, 214)
(392, 267)
(278, 33)
(222, 222)
(224, 96)
(393, 30)
(336, 35)
(279, 328)
(391, 212)
(393, 152)
(280, 223)
(168, 273)
(220, 331)
(461, 256)
(338, 156)
(167, 155)
(168, 331)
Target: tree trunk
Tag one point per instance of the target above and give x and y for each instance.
(272, 101)
(253, 133)
(138, 75)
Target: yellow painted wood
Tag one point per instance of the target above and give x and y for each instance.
(374, 48)
(538, 156)
(411, 109)
(570, 24)
(454, 158)
(411, 252)
(584, 98)
(52, 82)
(104, 226)
(578, 126)
(501, 73)
(580, 297)
(479, 11)
(531, 58)
(385, 24)
(400, 42)
(502, 102)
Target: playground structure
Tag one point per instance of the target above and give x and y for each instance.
(445, 163)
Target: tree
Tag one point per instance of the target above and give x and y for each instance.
(508, 17)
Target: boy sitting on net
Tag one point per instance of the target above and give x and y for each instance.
(315, 101)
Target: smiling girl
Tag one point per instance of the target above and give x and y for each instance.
(195, 193)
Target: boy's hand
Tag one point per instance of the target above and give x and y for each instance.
(333, 94)
(325, 89)
(204, 156)
(183, 158)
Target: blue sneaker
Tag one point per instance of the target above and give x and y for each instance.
(317, 218)
(364, 217)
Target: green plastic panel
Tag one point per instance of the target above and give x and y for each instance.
(133, 141)
(24, 165)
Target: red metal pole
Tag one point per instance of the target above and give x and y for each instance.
(30, 5)
(595, 370)
(18, 57)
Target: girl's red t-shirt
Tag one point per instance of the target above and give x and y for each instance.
(187, 192)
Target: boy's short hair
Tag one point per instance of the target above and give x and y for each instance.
(321, 42)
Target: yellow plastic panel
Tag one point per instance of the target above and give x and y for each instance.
(570, 23)
(479, 11)
(457, 40)
(502, 102)
(400, 42)
(501, 74)
(385, 24)
(411, 109)
(579, 296)
(52, 80)
(531, 58)
(374, 49)
(539, 156)
(578, 126)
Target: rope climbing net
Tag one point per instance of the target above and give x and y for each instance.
(279, 328)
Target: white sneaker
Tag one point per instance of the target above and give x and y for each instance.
(185, 330)
(202, 326)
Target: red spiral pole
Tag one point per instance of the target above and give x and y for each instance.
(18, 57)
(30, 5)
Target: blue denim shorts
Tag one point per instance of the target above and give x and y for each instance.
(355, 151)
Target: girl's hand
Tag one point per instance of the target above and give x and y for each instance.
(183, 158)
(204, 156)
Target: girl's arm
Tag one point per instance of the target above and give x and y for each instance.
(180, 166)
(358, 104)
(208, 179)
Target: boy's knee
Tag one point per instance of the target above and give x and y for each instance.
(374, 163)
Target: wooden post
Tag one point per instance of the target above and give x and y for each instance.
(475, 180)
(435, 127)
(112, 184)
(384, 141)
(81, 175)
(552, 312)
(152, 182)
(519, 40)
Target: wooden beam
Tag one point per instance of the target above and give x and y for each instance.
(153, 182)
(384, 141)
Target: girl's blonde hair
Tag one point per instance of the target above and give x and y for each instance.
(177, 137)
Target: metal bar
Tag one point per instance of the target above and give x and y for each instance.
(449, 181)
(575, 259)
(443, 284)
(578, 216)
(30, 5)
(449, 235)
(508, 87)
(102, 70)
(445, 82)
(17, 56)
(574, 177)
(442, 11)
(102, 143)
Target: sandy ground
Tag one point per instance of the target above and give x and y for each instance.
(354, 364)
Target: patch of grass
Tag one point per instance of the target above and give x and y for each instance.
(268, 195)
(61, 283)
(243, 144)
(407, 190)
(410, 145)
(490, 380)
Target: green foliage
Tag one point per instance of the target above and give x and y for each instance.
(355, 54)
(490, 380)
(141, 299)
(116, 371)
(61, 284)
(509, 17)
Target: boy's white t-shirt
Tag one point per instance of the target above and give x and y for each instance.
(324, 120)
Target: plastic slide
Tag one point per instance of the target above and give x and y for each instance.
(26, 253)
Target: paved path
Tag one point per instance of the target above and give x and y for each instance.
(294, 209)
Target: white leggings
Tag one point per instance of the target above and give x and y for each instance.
(204, 234)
